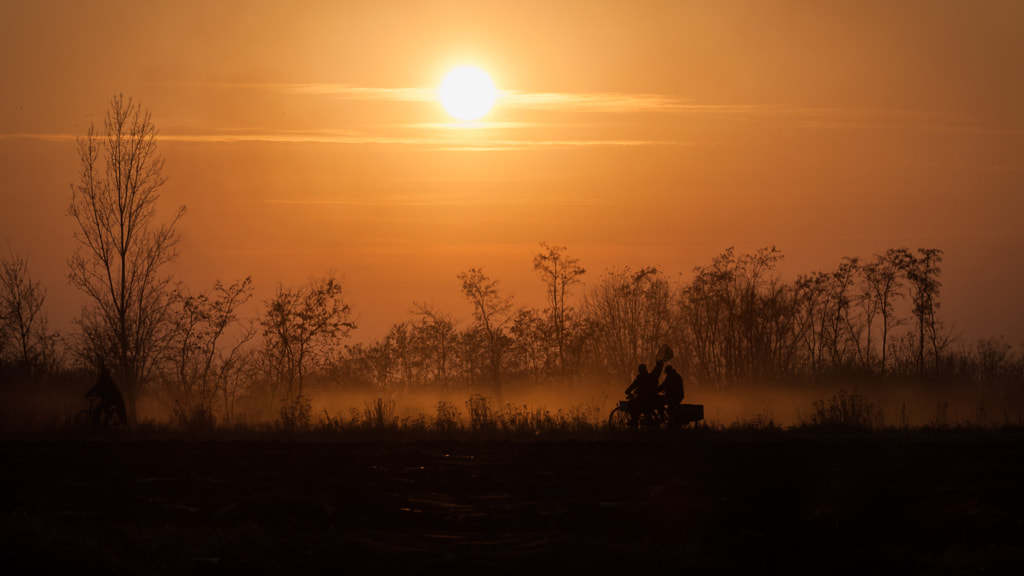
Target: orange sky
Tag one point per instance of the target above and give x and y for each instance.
(305, 137)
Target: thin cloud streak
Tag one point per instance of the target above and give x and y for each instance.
(928, 127)
(609, 102)
(475, 125)
(344, 91)
(418, 201)
(476, 136)
(613, 102)
(315, 137)
(597, 102)
(40, 136)
(528, 144)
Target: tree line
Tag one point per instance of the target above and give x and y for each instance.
(735, 322)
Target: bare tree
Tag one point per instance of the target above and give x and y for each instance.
(492, 312)
(847, 328)
(436, 330)
(825, 323)
(25, 340)
(405, 361)
(528, 351)
(766, 316)
(882, 287)
(922, 271)
(302, 326)
(630, 314)
(559, 273)
(707, 307)
(204, 366)
(813, 314)
(122, 251)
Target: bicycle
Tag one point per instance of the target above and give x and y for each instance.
(625, 417)
(96, 417)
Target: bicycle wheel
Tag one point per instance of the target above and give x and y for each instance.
(618, 420)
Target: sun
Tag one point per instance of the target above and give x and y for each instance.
(467, 93)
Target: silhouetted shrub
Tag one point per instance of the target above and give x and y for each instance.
(759, 423)
(447, 418)
(332, 423)
(197, 418)
(296, 415)
(379, 413)
(902, 420)
(849, 410)
(580, 418)
(481, 413)
(520, 420)
(415, 424)
(941, 418)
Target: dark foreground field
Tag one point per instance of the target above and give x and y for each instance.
(875, 503)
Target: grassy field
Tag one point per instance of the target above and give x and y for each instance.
(833, 502)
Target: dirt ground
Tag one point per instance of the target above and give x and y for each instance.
(945, 503)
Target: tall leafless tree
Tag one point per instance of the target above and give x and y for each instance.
(437, 332)
(883, 284)
(826, 325)
(122, 250)
(204, 366)
(302, 326)
(630, 314)
(559, 273)
(25, 339)
(707, 306)
(492, 311)
(922, 272)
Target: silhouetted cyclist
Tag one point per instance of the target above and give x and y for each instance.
(641, 377)
(111, 402)
(671, 390)
(643, 392)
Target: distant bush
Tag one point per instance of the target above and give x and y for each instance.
(379, 414)
(296, 415)
(849, 410)
(481, 414)
(521, 420)
(759, 423)
(941, 419)
(384, 419)
(331, 424)
(447, 418)
(581, 418)
(195, 419)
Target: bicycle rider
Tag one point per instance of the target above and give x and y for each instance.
(643, 392)
(111, 404)
(670, 392)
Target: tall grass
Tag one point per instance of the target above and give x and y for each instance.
(379, 414)
(296, 415)
(479, 417)
(196, 419)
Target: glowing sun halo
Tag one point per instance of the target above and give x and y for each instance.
(467, 93)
